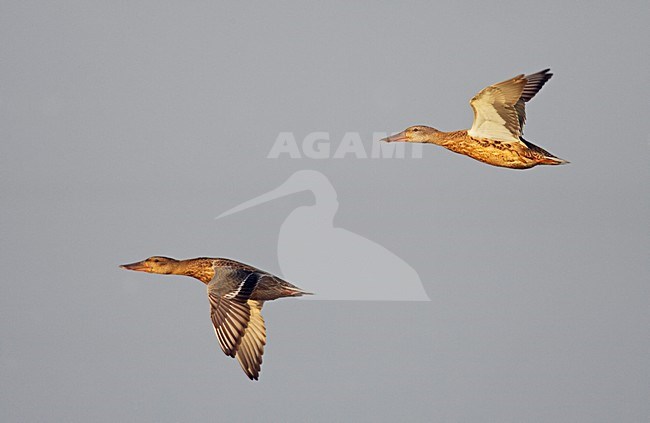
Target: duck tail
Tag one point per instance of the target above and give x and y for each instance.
(547, 158)
(553, 161)
(296, 292)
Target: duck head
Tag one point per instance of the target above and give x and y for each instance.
(418, 133)
(155, 264)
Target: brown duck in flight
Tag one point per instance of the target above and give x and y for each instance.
(236, 292)
(495, 136)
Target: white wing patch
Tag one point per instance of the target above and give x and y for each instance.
(493, 117)
(500, 110)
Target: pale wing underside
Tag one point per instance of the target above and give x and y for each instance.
(499, 110)
(493, 117)
(250, 351)
(239, 326)
(230, 319)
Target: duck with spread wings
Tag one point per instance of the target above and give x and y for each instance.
(236, 292)
(495, 137)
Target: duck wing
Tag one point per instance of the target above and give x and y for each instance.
(500, 111)
(237, 320)
(250, 351)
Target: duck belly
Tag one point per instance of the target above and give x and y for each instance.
(495, 153)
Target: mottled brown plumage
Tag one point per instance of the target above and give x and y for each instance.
(236, 292)
(495, 137)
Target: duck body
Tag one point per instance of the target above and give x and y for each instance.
(231, 275)
(236, 292)
(495, 137)
(513, 155)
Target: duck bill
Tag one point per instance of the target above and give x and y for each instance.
(401, 137)
(140, 266)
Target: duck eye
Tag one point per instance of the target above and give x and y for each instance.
(415, 130)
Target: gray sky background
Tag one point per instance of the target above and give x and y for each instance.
(126, 128)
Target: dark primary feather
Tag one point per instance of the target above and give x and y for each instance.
(534, 83)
